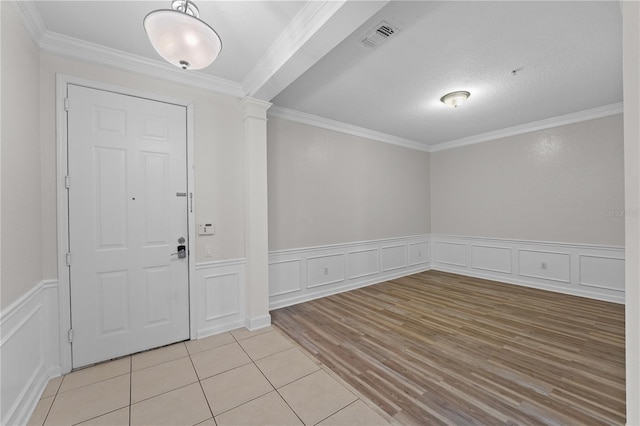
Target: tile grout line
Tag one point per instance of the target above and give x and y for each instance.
(55, 396)
(165, 392)
(160, 363)
(321, 420)
(266, 378)
(202, 389)
(339, 410)
(322, 366)
(293, 345)
(246, 402)
(278, 392)
(99, 415)
(93, 383)
(290, 407)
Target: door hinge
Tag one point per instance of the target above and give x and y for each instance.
(70, 335)
(68, 259)
(66, 104)
(67, 181)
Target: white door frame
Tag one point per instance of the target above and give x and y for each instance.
(64, 288)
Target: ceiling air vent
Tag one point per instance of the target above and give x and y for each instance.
(378, 35)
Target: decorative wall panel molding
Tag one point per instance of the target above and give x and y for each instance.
(30, 327)
(448, 253)
(491, 258)
(602, 272)
(285, 277)
(30, 350)
(419, 252)
(363, 263)
(308, 273)
(325, 269)
(584, 270)
(219, 296)
(393, 257)
(547, 265)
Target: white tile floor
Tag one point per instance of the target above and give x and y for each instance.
(234, 378)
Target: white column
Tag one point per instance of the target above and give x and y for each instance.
(631, 80)
(256, 214)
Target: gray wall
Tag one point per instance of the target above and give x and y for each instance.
(551, 185)
(327, 187)
(21, 222)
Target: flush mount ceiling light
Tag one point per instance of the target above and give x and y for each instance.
(454, 99)
(181, 38)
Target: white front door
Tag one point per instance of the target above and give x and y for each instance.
(127, 169)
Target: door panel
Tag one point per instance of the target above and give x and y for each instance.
(127, 162)
(110, 197)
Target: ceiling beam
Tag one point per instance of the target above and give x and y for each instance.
(315, 31)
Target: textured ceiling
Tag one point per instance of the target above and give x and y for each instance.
(306, 56)
(568, 57)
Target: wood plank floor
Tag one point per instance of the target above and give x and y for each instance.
(439, 348)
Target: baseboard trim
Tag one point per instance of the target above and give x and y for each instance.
(220, 328)
(337, 290)
(253, 324)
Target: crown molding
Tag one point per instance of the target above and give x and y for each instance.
(307, 22)
(325, 123)
(74, 48)
(561, 120)
(31, 19)
(255, 108)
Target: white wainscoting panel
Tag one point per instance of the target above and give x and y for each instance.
(285, 277)
(299, 275)
(325, 270)
(30, 351)
(219, 295)
(583, 270)
(393, 257)
(419, 253)
(545, 265)
(222, 295)
(491, 258)
(602, 272)
(449, 253)
(363, 263)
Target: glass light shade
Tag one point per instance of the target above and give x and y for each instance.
(181, 39)
(454, 99)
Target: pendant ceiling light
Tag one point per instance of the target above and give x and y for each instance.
(454, 99)
(180, 37)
